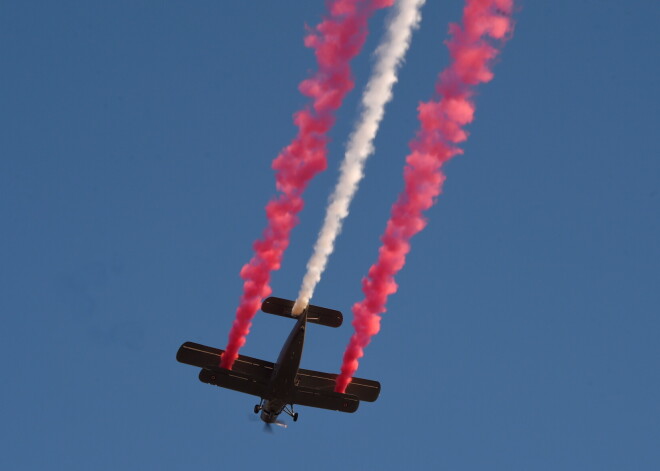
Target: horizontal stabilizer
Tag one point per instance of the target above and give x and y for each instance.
(315, 314)
(325, 400)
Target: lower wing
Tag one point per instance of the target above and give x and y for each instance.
(363, 389)
(231, 380)
(196, 354)
(325, 399)
(249, 375)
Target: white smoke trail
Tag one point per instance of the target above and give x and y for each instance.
(403, 20)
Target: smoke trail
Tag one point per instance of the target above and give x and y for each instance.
(377, 93)
(336, 40)
(441, 129)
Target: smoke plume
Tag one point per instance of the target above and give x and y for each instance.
(441, 129)
(377, 94)
(336, 40)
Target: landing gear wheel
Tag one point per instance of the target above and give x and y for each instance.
(257, 409)
(295, 417)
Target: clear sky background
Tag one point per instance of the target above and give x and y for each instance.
(135, 147)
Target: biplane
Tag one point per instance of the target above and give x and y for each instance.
(282, 384)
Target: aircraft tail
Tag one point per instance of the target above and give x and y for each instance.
(315, 314)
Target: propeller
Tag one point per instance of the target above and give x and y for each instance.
(268, 426)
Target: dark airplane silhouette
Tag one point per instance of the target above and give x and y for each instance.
(284, 383)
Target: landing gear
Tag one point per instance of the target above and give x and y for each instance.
(258, 407)
(290, 412)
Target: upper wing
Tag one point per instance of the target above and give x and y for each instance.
(196, 354)
(363, 389)
(251, 375)
(325, 399)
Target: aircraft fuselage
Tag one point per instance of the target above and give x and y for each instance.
(282, 383)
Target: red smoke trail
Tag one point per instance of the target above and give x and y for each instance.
(442, 124)
(336, 40)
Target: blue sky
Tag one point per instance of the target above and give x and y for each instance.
(135, 147)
